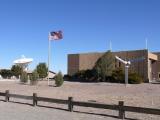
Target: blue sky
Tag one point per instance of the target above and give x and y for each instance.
(87, 25)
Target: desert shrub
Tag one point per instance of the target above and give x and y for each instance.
(67, 77)
(34, 78)
(109, 79)
(134, 78)
(59, 79)
(79, 74)
(90, 75)
(24, 77)
(6, 73)
(85, 76)
(117, 76)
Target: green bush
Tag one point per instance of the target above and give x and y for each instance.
(79, 74)
(34, 78)
(6, 73)
(117, 76)
(24, 77)
(67, 77)
(59, 79)
(90, 75)
(85, 76)
(134, 78)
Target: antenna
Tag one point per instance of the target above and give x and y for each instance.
(110, 46)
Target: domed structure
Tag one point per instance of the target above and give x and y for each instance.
(23, 62)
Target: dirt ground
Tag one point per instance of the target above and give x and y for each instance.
(143, 95)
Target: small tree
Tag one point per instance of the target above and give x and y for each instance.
(24, 77)
(42, 70)
(59, 79)
(6, 73)
(16, 70)
(105, 65)
(34, 78)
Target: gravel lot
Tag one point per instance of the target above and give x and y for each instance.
(143, 95)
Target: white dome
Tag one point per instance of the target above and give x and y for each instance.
(23, 60)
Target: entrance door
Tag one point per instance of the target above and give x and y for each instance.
(159, 76)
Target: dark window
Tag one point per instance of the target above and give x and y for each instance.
(119, 64)
(115, 63)
(159, 75)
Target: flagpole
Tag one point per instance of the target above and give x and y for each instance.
(49, 47)
(52, 36)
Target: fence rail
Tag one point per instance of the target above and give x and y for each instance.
(59, 101)
(2, 94)
(142, 110)
(70, 102)
(96, 105)
(21, 96)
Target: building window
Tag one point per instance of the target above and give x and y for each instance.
(119, 64)
(115, 63)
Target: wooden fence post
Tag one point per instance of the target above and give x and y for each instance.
(7, 96)
(34, 99)
(121, 110)
(70, 104)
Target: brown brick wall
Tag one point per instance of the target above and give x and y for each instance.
(85, 61)
(73, 63)
(88, 60)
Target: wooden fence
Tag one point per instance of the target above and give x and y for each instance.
(70, 102)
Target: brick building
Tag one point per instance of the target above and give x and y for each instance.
(149, 68)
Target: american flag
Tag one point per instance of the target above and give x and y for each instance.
(55, 35)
